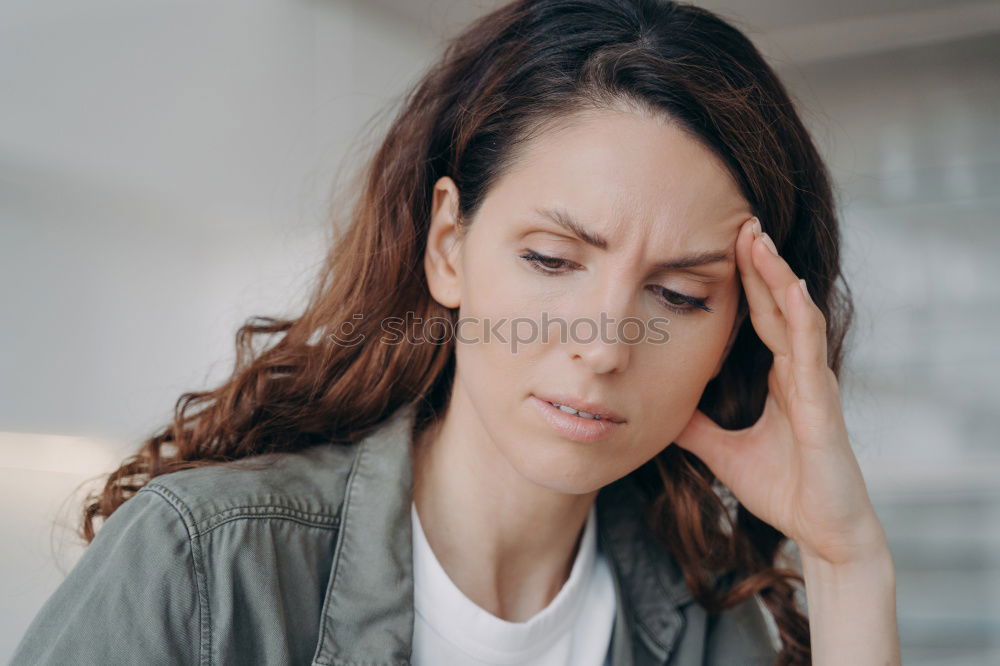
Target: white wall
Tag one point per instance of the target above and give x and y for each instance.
(164, 174)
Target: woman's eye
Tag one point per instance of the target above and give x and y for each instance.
(672, 300)
(680, 303)
(542, 263)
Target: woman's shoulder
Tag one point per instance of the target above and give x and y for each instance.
(307, 484)
(162, 569)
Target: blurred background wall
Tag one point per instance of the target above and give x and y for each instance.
(166, 172)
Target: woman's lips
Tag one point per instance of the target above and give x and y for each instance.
(570, 426)
(592, 408)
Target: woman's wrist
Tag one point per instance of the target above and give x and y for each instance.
(865, 547)
(852, 603)
(872, 570)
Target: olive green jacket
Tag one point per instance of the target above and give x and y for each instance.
(307, 560)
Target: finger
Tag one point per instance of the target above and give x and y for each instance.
(809, 344)
(707, 440)
(774, 270)
(768, 320)
(806, 322)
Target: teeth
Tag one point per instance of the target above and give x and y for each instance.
(570, 410)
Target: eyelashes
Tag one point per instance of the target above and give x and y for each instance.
(669, 299)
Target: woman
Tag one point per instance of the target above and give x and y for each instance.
(525, 417)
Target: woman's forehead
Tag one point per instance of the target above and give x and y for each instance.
(618, 170)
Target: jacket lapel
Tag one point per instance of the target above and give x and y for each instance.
(368, 615)
(649, 588)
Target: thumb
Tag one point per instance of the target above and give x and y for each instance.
(705, 438)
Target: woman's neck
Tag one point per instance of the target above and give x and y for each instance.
(507, 543)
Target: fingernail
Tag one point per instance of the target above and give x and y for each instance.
(755, 227)
(805, 290)
(769, 243)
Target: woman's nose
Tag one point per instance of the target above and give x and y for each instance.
(599, 343)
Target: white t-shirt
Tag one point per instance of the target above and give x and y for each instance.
(574, 629)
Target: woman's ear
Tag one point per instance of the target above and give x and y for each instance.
(442, 261)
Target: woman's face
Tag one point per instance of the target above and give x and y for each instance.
(653, 196)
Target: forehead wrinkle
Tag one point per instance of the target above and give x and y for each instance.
(698, 257)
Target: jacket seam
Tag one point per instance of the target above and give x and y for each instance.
(213, 520)
(676, 623)
(332, 526)
(267, 510)
(264, 511)
(204, 612)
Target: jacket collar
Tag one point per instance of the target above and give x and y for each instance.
(367, 614)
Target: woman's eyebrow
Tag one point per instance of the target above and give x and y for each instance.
(564, 220)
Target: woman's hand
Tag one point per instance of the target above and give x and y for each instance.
(794, 468)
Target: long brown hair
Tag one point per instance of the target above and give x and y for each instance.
(497, 84)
